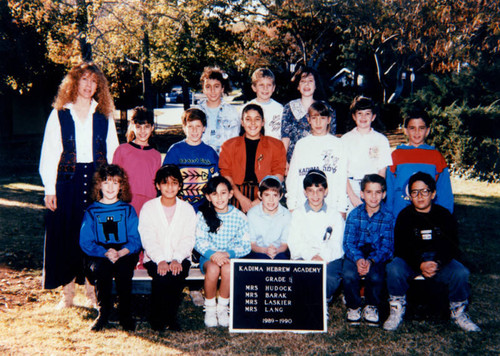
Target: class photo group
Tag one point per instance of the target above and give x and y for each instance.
(261, 181)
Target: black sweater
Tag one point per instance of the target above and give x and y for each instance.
(420, 237)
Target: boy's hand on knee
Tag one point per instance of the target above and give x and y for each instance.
(163, 268)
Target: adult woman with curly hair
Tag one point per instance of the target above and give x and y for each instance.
(80, 135)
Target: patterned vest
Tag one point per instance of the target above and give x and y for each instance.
(67, 163)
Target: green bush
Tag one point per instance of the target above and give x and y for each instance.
(469, 138)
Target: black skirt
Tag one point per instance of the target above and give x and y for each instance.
(63, 257)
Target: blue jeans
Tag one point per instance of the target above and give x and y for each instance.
(333, 277)
(374, 282)
(454, 275)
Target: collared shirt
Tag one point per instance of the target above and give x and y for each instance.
(222, 126)
(316, 233)
(52, 146)
(266, 229)
(369, 237)
(308, 208)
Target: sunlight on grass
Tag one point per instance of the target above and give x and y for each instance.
(19, 204)
(469, 187)
(23, 186)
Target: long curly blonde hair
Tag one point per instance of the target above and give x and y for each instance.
(68, 89)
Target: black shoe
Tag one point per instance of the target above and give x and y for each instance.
(99, 324)
(128, 324)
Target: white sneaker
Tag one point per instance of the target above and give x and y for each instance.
(354, 316)
(223, 315)
(211, 316)
(370, 315)
(397, 312)
(461, 318)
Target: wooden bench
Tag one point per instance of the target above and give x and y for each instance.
(141, 282)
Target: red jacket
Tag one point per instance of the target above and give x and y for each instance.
(270, 158)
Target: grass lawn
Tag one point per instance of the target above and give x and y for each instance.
(29, 324)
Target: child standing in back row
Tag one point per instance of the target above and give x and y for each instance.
(221, 234)
(247, 159)
(321, 151)
(222, 118)
(138, 158)
(110, 238)
(197, 161)
(295, 124)
(368, 151)
(414, 157)
(263, 84)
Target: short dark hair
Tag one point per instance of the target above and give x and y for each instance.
(194, 114)
(140, 116)
(315, 177)
(362, 103)
(373, 178)
(423, 177)
(169, 170)
(271, 182)
(417, 114)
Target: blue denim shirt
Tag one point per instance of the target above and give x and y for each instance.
(225, 126)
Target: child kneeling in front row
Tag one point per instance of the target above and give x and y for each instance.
(221, 234)
(269, 222)
(110, 238)
(368, 245)
(317, 230)
(167, 225)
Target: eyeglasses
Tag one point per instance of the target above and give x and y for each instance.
(423, 192)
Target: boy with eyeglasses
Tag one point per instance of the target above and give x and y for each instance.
(426, 243)
(417, 156)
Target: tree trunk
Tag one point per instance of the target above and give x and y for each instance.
(82, 25)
